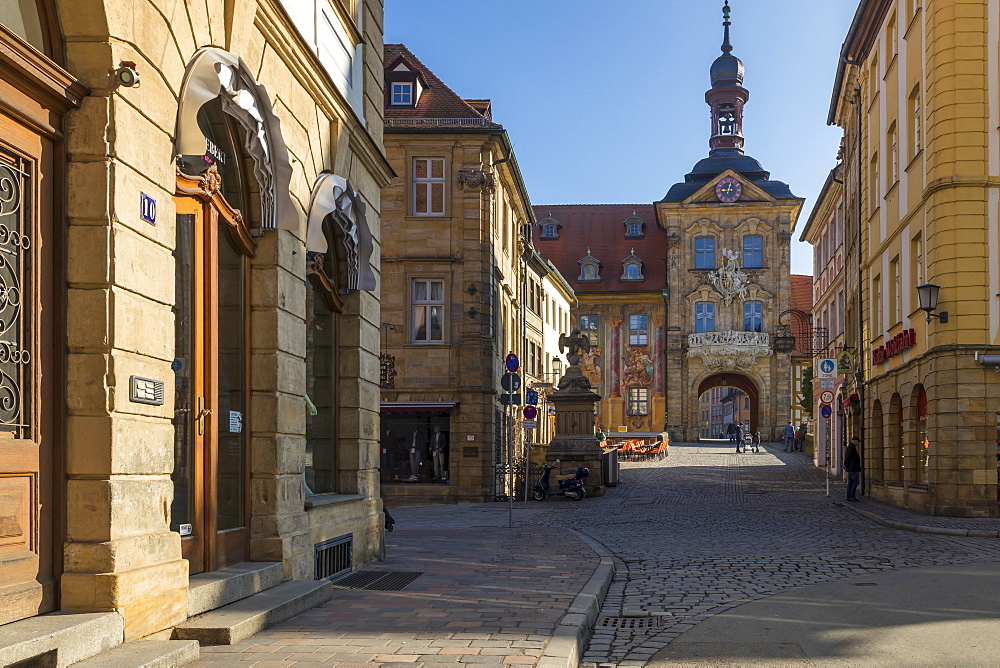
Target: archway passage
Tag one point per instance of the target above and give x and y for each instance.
(738, 382)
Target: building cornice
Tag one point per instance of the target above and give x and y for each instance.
(824, 202)
(860, 37)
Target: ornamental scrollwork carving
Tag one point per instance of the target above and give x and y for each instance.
(730, 280)
(475, 179)
(729, 351)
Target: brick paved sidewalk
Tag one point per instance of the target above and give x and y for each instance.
(493, 597)
(911, 520)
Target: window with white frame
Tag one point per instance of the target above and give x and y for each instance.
(427, 306)
(704, 253)
(428, 186)
(891, 146)
(753, 251)
(638, 401)
(704, 317)
(916, 126)
(895, 292)
(753, 316)
(402, 93)
(638, 330)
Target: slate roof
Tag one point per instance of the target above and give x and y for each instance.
(708, 168)
(600, 227)
(437, 102)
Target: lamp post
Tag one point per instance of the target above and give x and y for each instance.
(927, 296)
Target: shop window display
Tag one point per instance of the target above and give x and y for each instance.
(415, 447)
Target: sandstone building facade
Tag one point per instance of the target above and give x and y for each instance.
(191, 312)
(916, 95)
(470, 290)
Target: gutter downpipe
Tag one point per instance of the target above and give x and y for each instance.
(860, 373)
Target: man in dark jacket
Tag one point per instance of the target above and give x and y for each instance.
(852, 464)
(732, 431)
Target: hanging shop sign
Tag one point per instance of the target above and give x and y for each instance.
(845, 362)
(894, 346)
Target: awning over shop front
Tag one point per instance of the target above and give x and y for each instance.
(418, 406)
(334, 199)
(216, 73)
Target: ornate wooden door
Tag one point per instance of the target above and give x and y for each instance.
(27, 344)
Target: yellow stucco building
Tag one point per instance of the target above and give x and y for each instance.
(917, 94)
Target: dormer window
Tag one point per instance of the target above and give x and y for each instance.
(402, 93)
(634, 227)
(633, 268)
(550, 228)
(590, 268)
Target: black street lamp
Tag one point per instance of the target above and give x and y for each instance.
(927, 295)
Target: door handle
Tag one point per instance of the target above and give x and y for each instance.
(203, 413)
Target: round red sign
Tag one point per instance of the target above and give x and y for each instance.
(530, 412)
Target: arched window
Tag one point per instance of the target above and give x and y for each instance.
(634, 227)
(923, 441)
(753, 316)
(753, 251)
(874, 450)
(632, 268)
(590, 268)
(704, 317)
(704, 253)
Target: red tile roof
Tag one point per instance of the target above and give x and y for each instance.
(802, 293)
(437, 103)
(600, 228)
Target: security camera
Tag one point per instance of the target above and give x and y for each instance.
(126, 74)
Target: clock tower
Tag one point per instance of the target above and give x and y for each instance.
(728, 227)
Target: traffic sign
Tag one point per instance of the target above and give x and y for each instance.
(510, 382)
(510, 399)
(512, 362)
(826, 411)
(530, 412)
(531, 397)
(529, 424)
(826, 397)
(827, 368)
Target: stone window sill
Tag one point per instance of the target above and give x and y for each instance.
(317, 500)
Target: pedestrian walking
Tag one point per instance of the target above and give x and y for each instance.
(852, 464)
(800, 436)
(788, 433)
(732, 430)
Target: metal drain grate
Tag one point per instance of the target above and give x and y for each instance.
(632, 623)
(377, 580)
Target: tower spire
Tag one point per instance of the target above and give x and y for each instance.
(726, 46)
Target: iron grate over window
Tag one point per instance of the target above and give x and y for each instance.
(333, 557)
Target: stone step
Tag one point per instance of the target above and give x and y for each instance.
(238, 621)
(146, 654)
(59, 639)
(209, 591)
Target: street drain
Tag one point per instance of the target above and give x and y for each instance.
(865, 584)
(377, 580)
(631, 623)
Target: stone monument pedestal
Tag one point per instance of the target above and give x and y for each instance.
(574, 443)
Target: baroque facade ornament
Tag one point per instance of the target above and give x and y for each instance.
(475, 179)
(730, 280)
(729, 351)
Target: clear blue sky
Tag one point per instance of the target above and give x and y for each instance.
(604, 101)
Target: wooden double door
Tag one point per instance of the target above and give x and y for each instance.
(211, 372)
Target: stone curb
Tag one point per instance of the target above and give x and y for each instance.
(569, 641)
(918, 528)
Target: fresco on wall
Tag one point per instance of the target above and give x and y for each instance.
(638, 368)
(590, 364)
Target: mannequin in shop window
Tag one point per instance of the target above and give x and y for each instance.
(416, 448)
(439, 445)
(388, 447)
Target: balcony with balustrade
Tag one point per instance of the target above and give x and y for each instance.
(729, 350)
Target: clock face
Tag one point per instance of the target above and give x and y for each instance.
(728, 190)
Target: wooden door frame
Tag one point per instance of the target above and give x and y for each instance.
(202, 196)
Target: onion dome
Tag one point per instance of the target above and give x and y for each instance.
(727, 70)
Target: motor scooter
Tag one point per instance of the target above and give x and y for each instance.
(571, 488)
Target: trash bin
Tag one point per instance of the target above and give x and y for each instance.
(610, 468)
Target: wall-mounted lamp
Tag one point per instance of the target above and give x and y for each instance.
(927, 295)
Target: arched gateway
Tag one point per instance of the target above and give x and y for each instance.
(738, 382)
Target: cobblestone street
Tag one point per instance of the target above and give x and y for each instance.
(708, 530)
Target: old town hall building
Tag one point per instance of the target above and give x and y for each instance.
(686, 295)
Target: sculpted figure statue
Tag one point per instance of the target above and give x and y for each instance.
(574, 379)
